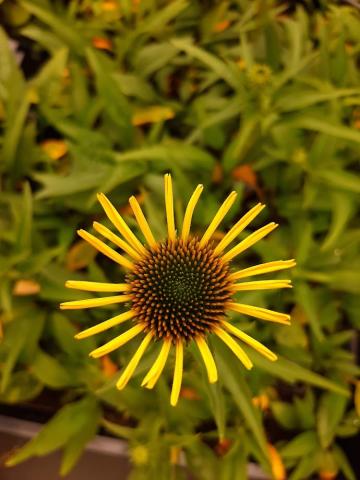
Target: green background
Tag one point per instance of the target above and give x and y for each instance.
(254, 96)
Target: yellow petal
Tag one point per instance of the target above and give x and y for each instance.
(239, 227)
(208, 359)
(97, 286)
(117, 342)
(250, 341)
(169, 207)
(100, 327)
(249, 241)
(105, 250)
(235, 347)
(143, 224)
(189, 212)
(109, 235)
(155, 371)
(118, 222)
(261, 285)
(94, 302)
(263, 268)
(262, 313)
(129, 370)
(225, 207)
(178, 371)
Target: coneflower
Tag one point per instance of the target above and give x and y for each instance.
(180, 289)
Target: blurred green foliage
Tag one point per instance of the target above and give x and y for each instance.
(256, 96)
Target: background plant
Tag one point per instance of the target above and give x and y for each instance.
(255, 96)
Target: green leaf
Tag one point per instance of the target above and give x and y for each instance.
(233, 379)
(308, 98)
(68, 33)
(214, 63)
(340, 179)
(18, 334)
(306, 467)
(303, 444)
(290, 372)
(70, 420)
(115, 102)
(306, 298)
(23, 234)
(336, 130)
(185, 156)
(331, 411)
(342, 209)
(49, 371)
(238, 148)
(285, 414)
(343, 463)
(217, 402)
(74, 448)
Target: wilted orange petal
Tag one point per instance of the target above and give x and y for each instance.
(80, 255)
(357, 397)
(277, 466)
(327, 475)
(102, 43)
(189, 393)
(127, 210)
(174, 455)
(223, 446)
(245, 173)
(241, 64)
(108, 366)
(261, 401)
(26, 287)
(54, 149)
(221, 26)
(152, 115)
(217, 173)
(109, 6)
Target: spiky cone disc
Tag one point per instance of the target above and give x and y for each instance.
(179, 290)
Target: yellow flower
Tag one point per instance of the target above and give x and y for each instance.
(178, 290)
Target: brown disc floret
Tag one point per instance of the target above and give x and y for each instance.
(180, 289)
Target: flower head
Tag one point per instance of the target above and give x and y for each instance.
(180, 289)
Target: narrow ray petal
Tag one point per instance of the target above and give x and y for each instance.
(169, 207)
(225, 207)
(155, 371)
(261, 285)
(105, 250)
(100, 327)
(249, 241)
(131, 367)
(234, 346)
(189, 212)
(262, 268)
(250, 341)
(97, 286)
(178, 371)
(118, 222)
(239, 227)
(262, 313)
(109, 235)
(117, 342)
(142, 222)
(208, 359)
(94, 302)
